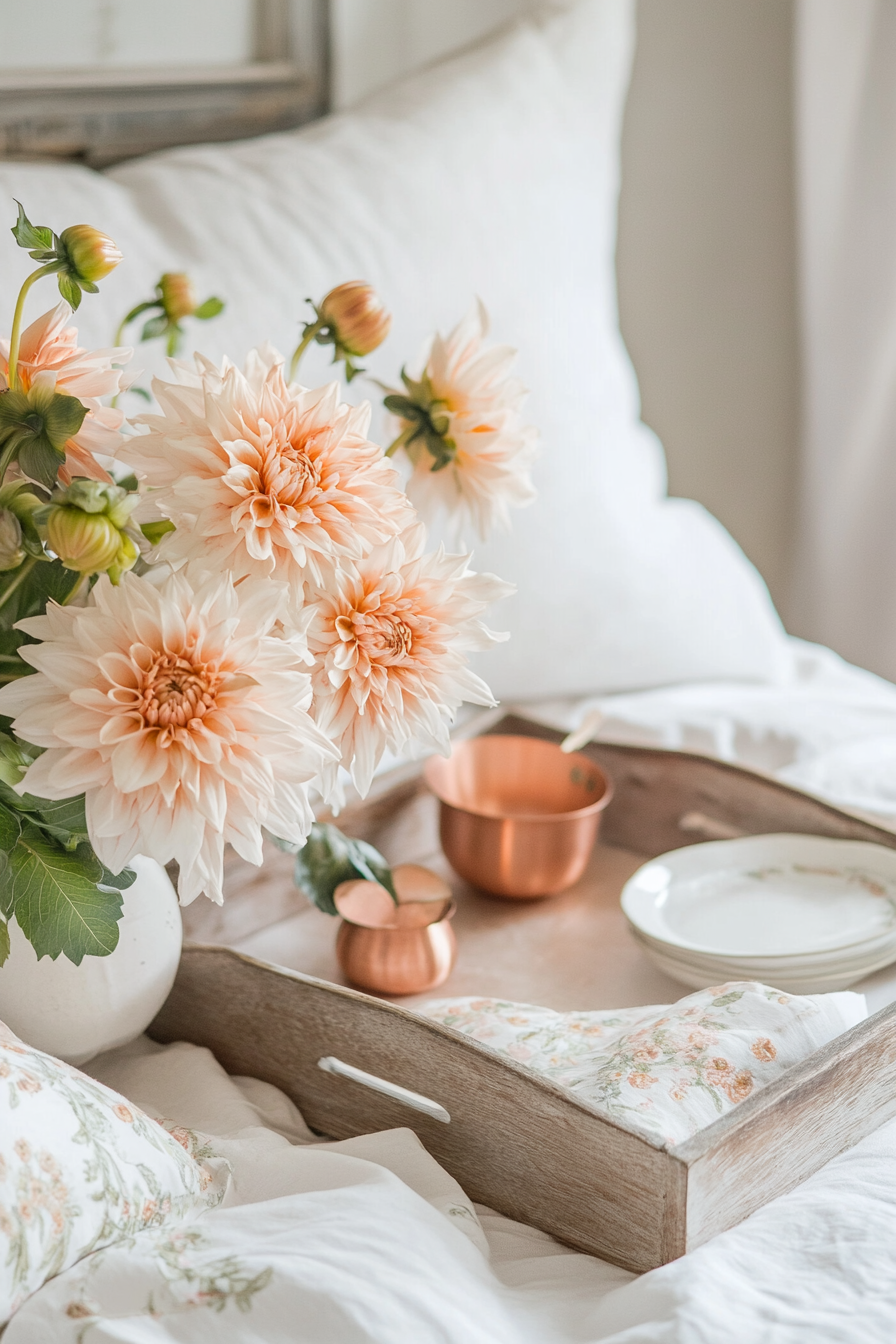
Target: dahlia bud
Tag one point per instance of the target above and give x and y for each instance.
(91, 255)
(11, 551)
(85, 542)
(177, 295)
(355, 314)
(86, 528)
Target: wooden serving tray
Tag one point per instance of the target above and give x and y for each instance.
(516, 1142)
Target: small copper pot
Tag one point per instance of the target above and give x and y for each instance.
(518, 816)
(394, 949)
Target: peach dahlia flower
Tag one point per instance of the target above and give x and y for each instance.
(263, 478)
(179, 715)
(49, 352)
(389, 637)
(490, 471)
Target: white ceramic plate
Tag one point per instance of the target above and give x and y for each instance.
(767, 896)
(817, 982)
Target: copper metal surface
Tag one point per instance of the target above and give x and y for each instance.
(518, 816)
(407, 948)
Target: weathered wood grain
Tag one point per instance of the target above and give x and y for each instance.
(776, 1138)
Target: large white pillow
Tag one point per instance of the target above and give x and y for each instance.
(495, 173)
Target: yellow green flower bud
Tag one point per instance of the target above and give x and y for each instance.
(86, 528)
(86, 542)
(178, 295)
(356, 316)
(91, 255)
(11, 551)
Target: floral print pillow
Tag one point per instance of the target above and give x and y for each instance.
(81, 1168)
(662, 1072)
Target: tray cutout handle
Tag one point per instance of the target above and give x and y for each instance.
(330, 1064)
(700, 824)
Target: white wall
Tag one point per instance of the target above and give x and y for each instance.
(706, 246)
(707, 261)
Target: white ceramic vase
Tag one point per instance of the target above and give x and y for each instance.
(75, 1012)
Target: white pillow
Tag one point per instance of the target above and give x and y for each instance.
(495, 173)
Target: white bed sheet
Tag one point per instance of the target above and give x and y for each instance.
(370, 1240)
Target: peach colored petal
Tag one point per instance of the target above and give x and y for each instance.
(183, 717)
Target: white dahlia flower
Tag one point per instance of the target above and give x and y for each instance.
(471, 449)
(261, 478)
(389, 637)
(179, 714)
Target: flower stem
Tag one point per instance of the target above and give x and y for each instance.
(125, 322)
(310, 333)
(24, 570)
(404, 437)
(16, 334)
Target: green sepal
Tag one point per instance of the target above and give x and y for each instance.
(128, 481)
(328, 858)
(156, 326)
(39, 423)
(405, 408)
(211, 308)
(30, 235)
(154, 532)
(70, 289)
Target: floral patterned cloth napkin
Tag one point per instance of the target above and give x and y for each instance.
(661, 1072)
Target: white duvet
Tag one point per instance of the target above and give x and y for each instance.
(370, 1240)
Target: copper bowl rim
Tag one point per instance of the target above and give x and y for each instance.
(528, 817)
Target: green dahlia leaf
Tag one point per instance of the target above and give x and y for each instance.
(211, 308)
(57, 900)
(10, 829)
(329, 858)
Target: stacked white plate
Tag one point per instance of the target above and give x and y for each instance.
(799, 912)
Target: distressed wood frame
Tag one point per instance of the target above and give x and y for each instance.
(101, 115)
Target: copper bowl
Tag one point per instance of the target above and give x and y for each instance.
(396, 949)
(518, 816)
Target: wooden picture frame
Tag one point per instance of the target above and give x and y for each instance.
(101, 115)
